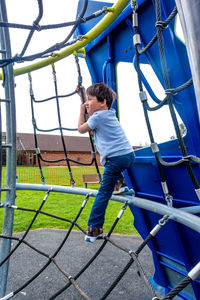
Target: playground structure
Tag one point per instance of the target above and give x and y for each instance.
(165, 176)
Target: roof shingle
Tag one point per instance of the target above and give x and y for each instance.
(52, 143)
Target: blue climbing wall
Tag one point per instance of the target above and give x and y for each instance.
(174, 250)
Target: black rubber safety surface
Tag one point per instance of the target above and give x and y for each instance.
(75, 254)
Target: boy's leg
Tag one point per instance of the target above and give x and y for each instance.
(122, 179)
(112, 171)
(96, 219)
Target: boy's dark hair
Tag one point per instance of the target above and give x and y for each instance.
(101, 91)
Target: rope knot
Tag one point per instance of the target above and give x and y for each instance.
(17, 58)
(37, 26)
(171, 92)
(133, 254)
(83, 20)
(161, 25)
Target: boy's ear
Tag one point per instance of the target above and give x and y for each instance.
(104, 102)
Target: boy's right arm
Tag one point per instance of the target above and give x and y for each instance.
(82, 124)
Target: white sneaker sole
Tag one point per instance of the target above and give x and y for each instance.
(92, 239)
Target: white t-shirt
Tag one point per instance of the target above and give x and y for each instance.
(109, 136)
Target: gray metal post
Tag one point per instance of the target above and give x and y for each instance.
(189, 12)
(0, 149)
(10, 151)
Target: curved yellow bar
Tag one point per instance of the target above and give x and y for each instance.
(112, 14)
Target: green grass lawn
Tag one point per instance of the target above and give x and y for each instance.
(63, 205)
(52, 175)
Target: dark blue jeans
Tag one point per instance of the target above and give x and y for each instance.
(112, 171)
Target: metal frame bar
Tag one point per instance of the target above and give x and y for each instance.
(10, 151)
(189, 18)
(175, 214)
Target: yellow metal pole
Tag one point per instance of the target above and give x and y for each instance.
(112, 14)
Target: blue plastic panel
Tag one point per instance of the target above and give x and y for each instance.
(176, 248)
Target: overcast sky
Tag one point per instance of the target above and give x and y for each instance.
(131, 114)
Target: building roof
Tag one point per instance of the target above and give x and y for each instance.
(52, 143)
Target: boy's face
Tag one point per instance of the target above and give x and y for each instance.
(92, 105)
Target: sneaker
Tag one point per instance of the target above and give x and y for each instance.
(121, 190)
(92, 235)
(124, 191)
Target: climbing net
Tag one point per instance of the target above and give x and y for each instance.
(51, 52)
(18, 58)
(61, 129)
(51, 259)
(133, 254)
(168, 100)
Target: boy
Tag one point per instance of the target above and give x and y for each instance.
(115, 151)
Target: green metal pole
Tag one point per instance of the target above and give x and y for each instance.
(112, 14)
